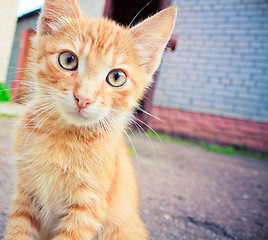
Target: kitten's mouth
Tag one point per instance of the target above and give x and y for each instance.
(80, 118)
(78, 114)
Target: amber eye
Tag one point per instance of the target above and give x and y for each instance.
(68, 60)
(116, 78)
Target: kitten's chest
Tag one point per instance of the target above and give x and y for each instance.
(53, 174)
(53, 180)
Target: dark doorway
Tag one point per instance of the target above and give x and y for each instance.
(124, 12)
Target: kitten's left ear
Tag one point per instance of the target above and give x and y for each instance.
(56, 13)
(151, 37)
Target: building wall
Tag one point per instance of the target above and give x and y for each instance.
(219, 68)
(7, 29)
(220, 65)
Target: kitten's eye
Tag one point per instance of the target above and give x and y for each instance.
(116, 78)
(68, 60)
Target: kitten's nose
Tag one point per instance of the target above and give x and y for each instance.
(82, 102)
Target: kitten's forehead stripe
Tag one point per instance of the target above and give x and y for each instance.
(87, 47)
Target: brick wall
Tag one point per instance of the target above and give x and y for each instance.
(211, 127)
(215, 84)
(7, 29)
(220, 65)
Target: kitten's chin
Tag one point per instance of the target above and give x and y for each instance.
(79, 119)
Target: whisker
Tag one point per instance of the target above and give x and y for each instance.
(149, 128)
(51, 111)
(113, 119)
(48, 106)
(142, 110)
(139, 13)
(140, 127)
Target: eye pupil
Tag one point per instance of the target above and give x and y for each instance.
(70, 58)
(116, 75)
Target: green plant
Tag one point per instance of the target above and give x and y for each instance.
(131, 150)
(5, 95)
(6, 115)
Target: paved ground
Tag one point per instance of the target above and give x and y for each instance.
(186, 193)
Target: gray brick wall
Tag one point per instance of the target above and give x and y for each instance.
(220, 65)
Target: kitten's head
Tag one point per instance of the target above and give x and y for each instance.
(93, 70)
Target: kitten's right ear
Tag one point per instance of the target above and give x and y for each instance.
(55, 13)
(152, 35)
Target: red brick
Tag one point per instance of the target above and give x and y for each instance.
(228, 140)
(264, 133)
(215, 131)
(174, 112)
(165, 128)
(203, 123)
(208, 118)
(224, 125)
(263, 126)
(209, 126)
(157, 124)
(185, 131)
(263, 138)
(233, 135)
(155, 109)
(195, 115)
(252, 143)
(154, 121)
(194, 126)
(205, 134)
(183, 122)
(185, 118)
(253, 124)
(249, 130)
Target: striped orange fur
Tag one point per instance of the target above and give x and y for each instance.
(75, 179)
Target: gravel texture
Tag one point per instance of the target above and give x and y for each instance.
(186, 192)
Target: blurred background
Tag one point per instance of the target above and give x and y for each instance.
(211, 87)
(213, 82)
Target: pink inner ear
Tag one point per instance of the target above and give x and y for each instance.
(153, 53)
(151, 37)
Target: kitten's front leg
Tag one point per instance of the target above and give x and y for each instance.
(22, 224)
(81, 223)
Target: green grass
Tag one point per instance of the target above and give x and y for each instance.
(131, 150)
(7, 115)
(5, 95)
(165, 137)
(227, 150)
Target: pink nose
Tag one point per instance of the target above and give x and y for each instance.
(82, 102)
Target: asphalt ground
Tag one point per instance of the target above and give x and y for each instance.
(186, 192)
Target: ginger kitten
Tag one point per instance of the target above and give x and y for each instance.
(74, 176)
